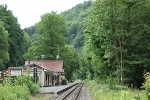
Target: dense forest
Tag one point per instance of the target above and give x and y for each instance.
(117, 41)
(112, 36)
(75, 18)
(14, 42)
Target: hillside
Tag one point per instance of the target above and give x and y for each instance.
(74, 18)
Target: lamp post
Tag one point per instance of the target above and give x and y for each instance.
(42, 74)
(53, 74)
(57, 57)
(42, 56)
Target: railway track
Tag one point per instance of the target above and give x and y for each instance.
(71, 94)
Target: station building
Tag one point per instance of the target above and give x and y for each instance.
(47, 72)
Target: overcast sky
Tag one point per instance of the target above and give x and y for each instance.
(28, 12)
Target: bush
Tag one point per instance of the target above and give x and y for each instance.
(34, 88)
(8, 92)
(64, 80)
(111, 82)
(23, 83)
(27, 81)
(146, 85)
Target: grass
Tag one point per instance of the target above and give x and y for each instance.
(117, 95)
(1, 80)
(41, 97)
(102, 92)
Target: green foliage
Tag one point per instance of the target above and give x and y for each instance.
(19, 87)
(49, 36)
(14, 93)
(86, 70)
(70, 61)
(124, 95)
(14, 42)
(64, 80)
(4, 55)
(146, 85)
(75, 18)
(27, 41)
(8, 80)
(111, 83)
(48, 39)
(101, 91)
(27, 80)
(31, 30)
(116, 33)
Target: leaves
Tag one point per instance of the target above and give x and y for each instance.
(75, 18)
(15, 38)
(49, 36)
(116, 33)
(4, 56)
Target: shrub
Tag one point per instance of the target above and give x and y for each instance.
(34, 89)
(64, 80)
(18, 88)
(111, 82)
(8, 80)
(146, 85)
(27, 81)
(8, 92)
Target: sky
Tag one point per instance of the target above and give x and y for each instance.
(28, 12)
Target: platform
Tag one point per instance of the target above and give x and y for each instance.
(56, 89)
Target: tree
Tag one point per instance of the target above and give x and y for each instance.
(69, 56)
(118, 31)
(50, 41)
(137, 59)
(4, 55)
(75, 18)
(50, 35)
(30, 30)
(15, 39)
(27, 41)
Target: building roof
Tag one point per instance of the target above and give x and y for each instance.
(52, 65)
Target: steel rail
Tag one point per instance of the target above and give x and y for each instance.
(76, 97)
(65, 96)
